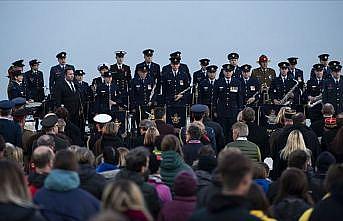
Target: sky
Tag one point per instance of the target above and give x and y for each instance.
(91, 31)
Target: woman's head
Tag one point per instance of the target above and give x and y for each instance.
(280, 118)
(170, 142)
(14, 154)
(295, 141)
(122, 152)
(259, 171)
(288, 186)
(123, 195)
(337, 143)
(150, 136)
(13, 187)
(110, 128)
(85, 156)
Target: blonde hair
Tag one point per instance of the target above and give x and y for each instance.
(150, 136)
(111, 128)
(200, 125)
(122, 152)
(280, 118)
(295, 141)
(14, 154)
(124, 195)
(13, 187)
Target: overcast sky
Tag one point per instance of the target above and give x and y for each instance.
(90, 32)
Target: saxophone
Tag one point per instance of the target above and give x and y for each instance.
(284, 100)
(316, 100)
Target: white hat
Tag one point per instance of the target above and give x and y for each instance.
(102, 118)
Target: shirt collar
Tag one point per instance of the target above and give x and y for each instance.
(242, 138)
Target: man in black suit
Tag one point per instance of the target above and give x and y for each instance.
(121, 76)
(67, 94)
(57, 72)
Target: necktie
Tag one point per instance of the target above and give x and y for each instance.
(246, 81)
(211, 82)
(72, 87)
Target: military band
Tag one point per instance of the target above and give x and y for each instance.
(116, 93)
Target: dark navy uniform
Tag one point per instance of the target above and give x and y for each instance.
(183, 67)
(121, 76)
(141, 92)
(34, 85)
(104, 93)
(9, 129)
(333, 93)
(314, 88)
(201, 74)
(296, 74)
(57, 72)
(154, 70)
(251, 88)
(228, 97)
(237, 73)
(279, 88)
(327, 70)
(173, 84)
(16, 89)
(206, 93)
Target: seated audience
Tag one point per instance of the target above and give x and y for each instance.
(61, 198)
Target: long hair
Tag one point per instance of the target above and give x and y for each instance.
(280, 118)
(294, 183)
(171, 142)
(295, 141)
(14, 154)
(111, 128)
(124, 195)
(258, 199)
(150, 136)
(13, 187)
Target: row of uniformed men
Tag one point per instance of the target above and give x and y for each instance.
(235, 87)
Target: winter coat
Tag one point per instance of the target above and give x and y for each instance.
(180, 209)
(171, 164)
(14, 212)
(36, 181)
(204, 179)
(163, 190)
(91, 181)
(61, 199)
(223, 207)
(290, 209)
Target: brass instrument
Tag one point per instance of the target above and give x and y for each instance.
(254, 96)
(152, 93)
(181, 93)
(284, 100)
(316, 100)
(265, 93)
